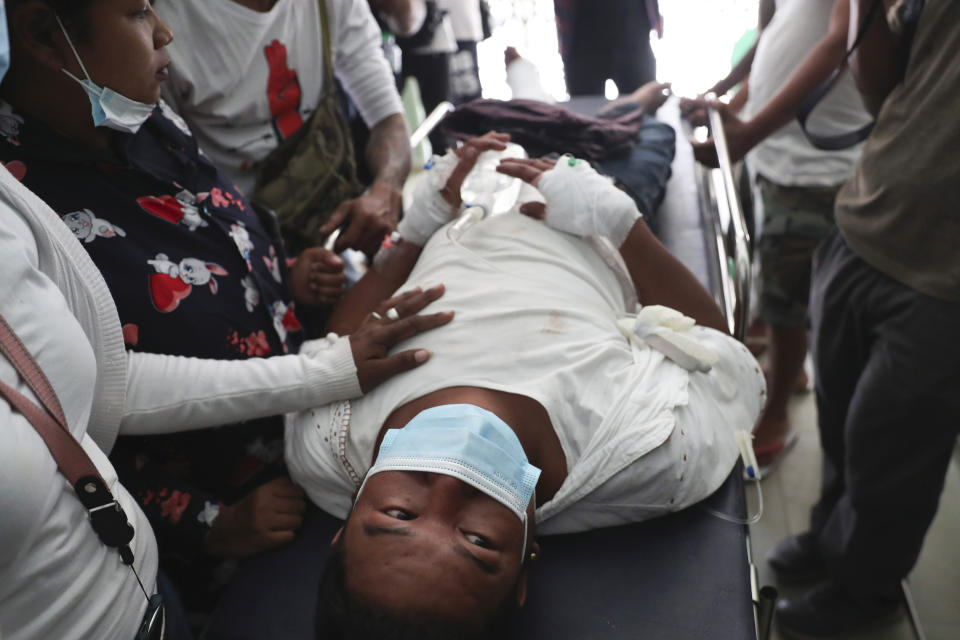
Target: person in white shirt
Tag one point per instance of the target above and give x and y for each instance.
(801, 42)
(620, 432)
(247, 74)
(467, 22)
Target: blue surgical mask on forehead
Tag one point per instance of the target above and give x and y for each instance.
(4, 41)
(110, 109)
(468, 443)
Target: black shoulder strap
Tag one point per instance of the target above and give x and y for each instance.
(842, 140)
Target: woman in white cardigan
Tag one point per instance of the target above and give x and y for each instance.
(57, 580)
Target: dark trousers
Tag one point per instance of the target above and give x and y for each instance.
(176, 624)
(609, 39)
(888, 394)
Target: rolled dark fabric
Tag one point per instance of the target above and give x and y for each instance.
(544, 128)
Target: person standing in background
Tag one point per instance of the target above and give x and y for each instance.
(467, 21)
(801, 42)
(607, 40)
(247, 74)
(884, 306)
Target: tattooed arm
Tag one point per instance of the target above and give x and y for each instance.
(374, 214)
(388, 151)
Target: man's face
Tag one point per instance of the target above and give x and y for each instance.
(125, 50)
(428, 543)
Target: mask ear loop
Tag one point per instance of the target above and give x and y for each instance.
(523, 547)
(75, 55)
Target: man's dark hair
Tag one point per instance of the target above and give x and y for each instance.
(340, 617)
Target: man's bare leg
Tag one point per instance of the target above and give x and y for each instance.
(788, 348)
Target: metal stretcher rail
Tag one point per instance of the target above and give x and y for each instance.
(727, 237)
(727, 232)
(430, 123)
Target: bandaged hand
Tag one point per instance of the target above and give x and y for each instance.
(579, 200)
(429, 210)
(436, 197)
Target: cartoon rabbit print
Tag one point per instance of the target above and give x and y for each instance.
(174, 281)
(88, 227)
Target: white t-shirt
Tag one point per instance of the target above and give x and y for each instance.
(57, 580)
(786, 157)
(466, 19)
(536, 316)
(245, 79)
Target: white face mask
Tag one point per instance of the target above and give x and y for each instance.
(468, 443)
(110, 109)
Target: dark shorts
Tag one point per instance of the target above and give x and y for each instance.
(795, 221)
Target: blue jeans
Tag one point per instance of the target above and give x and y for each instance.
(644, 171)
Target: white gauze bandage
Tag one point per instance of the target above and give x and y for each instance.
(582, 202)
(668, 331)
(428, 210)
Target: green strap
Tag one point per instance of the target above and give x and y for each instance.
(328, 80)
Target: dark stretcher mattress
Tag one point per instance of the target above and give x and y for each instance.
(681, 577)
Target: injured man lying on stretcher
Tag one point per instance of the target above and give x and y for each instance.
(572, 390)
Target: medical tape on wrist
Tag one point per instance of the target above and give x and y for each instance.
(428, 209)
(666, 330)
(582, 202)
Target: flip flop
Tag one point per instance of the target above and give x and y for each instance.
(775, 452)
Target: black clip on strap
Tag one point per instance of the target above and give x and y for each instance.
(106, 516)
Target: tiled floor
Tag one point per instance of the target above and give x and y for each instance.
(792, 489)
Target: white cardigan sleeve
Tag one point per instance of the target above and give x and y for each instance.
(170, 393)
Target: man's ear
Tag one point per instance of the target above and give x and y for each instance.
(336, 538)
(524, 571)
(35, 33)
(521, 592)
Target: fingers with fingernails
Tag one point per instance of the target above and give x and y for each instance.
(316, 277)
(468, 154)
(529, 170)
(394, 321)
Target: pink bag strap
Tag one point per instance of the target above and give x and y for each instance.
(106, 516)
(49, 421)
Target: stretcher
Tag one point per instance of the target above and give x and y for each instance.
(686, 576)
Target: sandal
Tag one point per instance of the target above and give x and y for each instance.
(775, 452)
